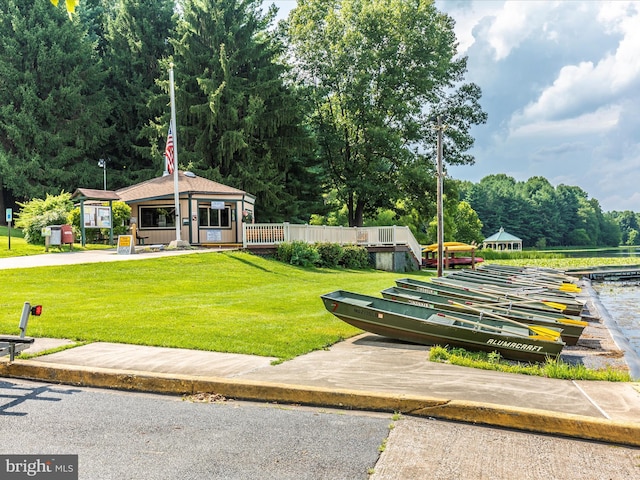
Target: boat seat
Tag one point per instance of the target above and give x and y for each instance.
(356, 301)
(440, 319)
(520, 331)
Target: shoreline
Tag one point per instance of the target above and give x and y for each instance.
(602, 345)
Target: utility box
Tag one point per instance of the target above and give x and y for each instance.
(55, 239)
(67, 234)
(60, 235)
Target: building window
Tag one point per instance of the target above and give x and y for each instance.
(211, 217)
(157, 217)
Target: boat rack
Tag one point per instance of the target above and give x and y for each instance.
(14, 344)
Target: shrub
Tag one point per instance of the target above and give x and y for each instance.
(330, 254)
(37, 214)
(298, 253)
(284, 252)
(355, 257)
(304, 254)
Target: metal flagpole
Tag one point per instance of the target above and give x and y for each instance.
(174, 131)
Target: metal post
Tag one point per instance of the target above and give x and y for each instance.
(174, 131)
(439, 199)
(24, 319)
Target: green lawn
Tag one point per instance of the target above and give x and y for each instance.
(226, 302)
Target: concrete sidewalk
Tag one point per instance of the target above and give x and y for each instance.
(366, 372)
(75, 257)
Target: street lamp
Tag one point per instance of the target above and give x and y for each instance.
(440, 177)
(102, 163)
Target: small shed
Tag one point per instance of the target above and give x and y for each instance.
(502, 241)
(211, 213)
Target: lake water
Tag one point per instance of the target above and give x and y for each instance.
(621, 301)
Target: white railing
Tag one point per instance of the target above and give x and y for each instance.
(266, 234)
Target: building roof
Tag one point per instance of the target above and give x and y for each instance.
(188, 183)
(502, 236)
(92, 194)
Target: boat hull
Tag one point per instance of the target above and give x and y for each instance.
(571, 329)
(430, 327)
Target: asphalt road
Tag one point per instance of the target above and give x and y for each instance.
(121, 435)
(128, 435)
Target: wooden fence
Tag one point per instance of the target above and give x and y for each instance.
(269, 234)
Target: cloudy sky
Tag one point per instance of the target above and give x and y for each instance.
(561, 85)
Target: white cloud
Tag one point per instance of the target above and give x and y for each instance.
(514, 23)
(592, 85)
(597, 122)
(468, 16)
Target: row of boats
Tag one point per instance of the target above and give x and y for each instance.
(525, 314)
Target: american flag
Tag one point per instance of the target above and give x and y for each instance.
(168, 152)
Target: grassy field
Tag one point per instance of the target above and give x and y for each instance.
(226, 302)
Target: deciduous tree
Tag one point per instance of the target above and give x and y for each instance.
(376, 72)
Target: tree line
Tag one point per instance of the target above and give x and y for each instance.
(327, 117)
(546, 216)
(335, 103)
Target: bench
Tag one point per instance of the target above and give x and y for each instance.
(140, 238)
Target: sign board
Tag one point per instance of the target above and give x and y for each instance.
(217, 205)
(9, 215)
(46, 231)
(97, 216)
(214, 235)
(126, 245)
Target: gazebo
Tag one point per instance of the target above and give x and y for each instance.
(502, 241)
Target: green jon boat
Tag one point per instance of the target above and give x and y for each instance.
(571, 329)
(427, 326)
(477, 293)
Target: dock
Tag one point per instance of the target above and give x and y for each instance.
(608, 274)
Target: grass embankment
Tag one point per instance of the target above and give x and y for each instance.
(226, 302)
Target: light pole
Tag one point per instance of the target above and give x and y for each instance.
(440, 176)
(103, 164)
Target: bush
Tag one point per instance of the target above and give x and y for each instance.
(330, 254)
(284, 252)
(327, 255)
(38, 213)
(298, 253)
(355, 257)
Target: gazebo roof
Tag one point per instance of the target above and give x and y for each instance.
(502, 236)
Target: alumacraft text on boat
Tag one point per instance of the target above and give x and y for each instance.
(514, 345)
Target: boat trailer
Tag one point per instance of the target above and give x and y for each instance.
(14, 344)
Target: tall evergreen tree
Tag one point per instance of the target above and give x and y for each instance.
(52, 104)
(135, 41)
(238, 122)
